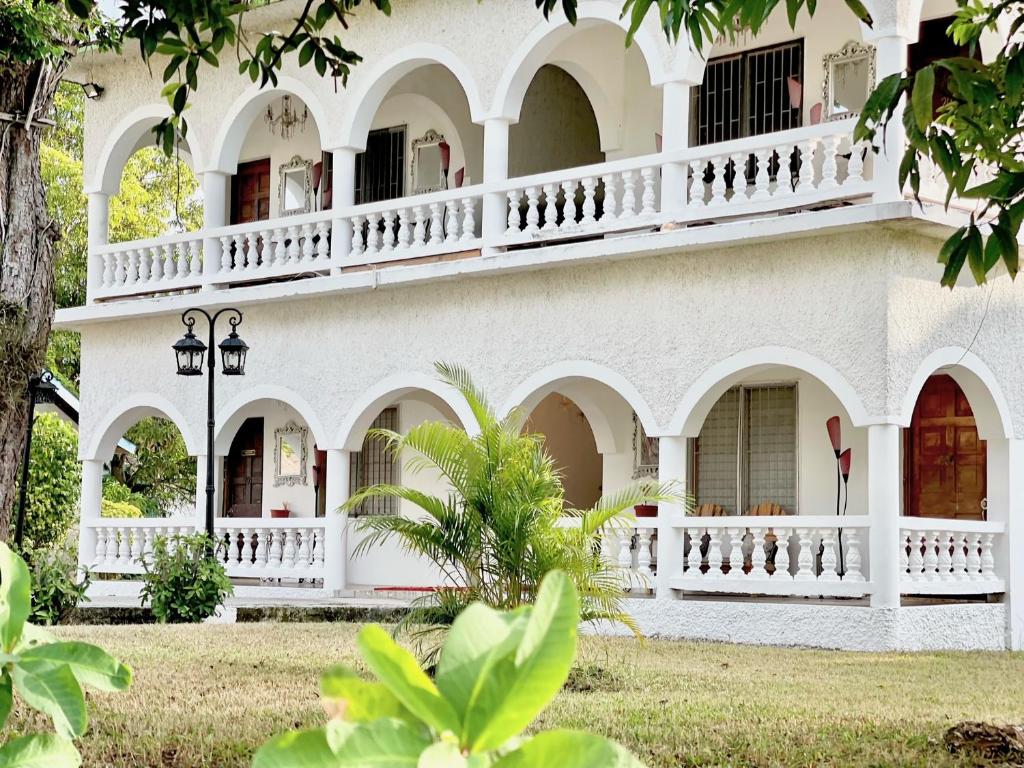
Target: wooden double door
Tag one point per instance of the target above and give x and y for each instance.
(243, 472)
(945, 459)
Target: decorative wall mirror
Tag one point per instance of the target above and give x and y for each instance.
(295, 187)
(427, 173)
(290, 455)
(849, 78)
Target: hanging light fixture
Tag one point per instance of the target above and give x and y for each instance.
(287, 119)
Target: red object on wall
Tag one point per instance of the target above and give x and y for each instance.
(835, 434)
(844, 463)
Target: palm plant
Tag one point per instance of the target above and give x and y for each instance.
(504, 523)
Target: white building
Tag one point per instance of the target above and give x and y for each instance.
(593, 255)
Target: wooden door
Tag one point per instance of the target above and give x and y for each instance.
(250, 192)
(243, 470)
(945, 458)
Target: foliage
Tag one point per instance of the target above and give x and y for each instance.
(181, 582)
(496, 674)
(57, 586)
(503, 526)
(119, 509)
(54, 482)
(47, 675)
(160, 475)
(121, 501)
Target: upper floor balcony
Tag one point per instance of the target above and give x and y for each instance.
(527, 135)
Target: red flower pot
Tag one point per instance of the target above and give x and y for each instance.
(277, 514)
(646, 510)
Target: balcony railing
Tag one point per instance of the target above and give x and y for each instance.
(799, 169)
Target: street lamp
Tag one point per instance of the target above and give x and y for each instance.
(188, 352)
(41, 389)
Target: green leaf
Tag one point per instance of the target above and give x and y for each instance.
(381, 744)
(922, 97)
(15, 597)
(39, 750)
(6, 697)
(541, 666)
(397, 669)
(444, 754)
(569, 749)
(91, 666)
(1006, 248)
(348, 697)
(53, 690)
(975, 258)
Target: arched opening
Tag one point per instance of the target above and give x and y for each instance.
(150, 473)
(569, 440)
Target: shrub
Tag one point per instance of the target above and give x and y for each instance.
(56, 588)
(110, 508)
(54, 482)
(497, 672)
(181, 583)
(116, 492)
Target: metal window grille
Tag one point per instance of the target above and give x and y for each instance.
(380, 170)
(373, 465)
(747, 94)
(746, 453)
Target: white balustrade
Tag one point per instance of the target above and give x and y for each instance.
(123, 543)
(273, 549)
(949, 557)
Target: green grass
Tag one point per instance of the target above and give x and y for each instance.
(208, 696)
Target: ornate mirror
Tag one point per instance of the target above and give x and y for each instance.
(849, 78)
(295, 187)
(427, 173)
(290, 455)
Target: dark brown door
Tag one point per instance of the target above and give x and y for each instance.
(946, 460)
(250, 192)
(243, 470)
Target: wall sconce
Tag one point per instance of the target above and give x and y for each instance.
(92, 90)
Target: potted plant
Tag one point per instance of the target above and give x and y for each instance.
(280, 513)
(646, 510)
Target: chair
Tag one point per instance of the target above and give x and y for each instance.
(767, 509)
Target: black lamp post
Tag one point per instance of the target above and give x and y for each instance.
(189, 351)
(41, 389)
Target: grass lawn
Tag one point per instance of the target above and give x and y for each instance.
(208, 696)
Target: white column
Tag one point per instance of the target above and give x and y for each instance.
(1006, 505)
(884, 513)
(675, 135)
(890, 58)
(336, 523)
(671, 468)
(90, 505)
(343, 195)
(494, 219)
(99, 234)
(215, 214)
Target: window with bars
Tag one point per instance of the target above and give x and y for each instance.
(746, 453)
(747, 94)
(380, 170)
(373, 465)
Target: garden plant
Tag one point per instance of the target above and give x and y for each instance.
(182, 583)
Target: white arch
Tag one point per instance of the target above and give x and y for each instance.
(545, 37)
(238, 119)
(385, 392)
(991, 410)
(709, 386)
(126, 414)
(370, 92)
(232, 415)
(609, 122)
(568, 377)
(124, 139)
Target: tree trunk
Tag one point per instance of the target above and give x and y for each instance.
(26, 260)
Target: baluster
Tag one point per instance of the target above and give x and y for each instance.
(306, 247)
(717, 181)
(225, 254)
(121, 271)
(136, 546)
(318, 548)
(828, 163)
(260, 554)
(628, 195)
(945, 561)
(624, 537)
(293, 252)
(323, 245)
(609, 551)
(468, 218)
(904, 558)
(144, 265)
(358, 244)
(419, 231)
(373, 234)
(739, 177)
(195, 261)
(693, 557)
(758, 557)
(100, 555)
(124, 555)
(855, 167)
(452, 226)
(168, 267)
(288, 553)
(238, 241)
(958, 560)
(589, 204)
(806, 177)
(276, 551)
(245, 553)
(404, 232)
(988, 563)
(436, 237)
(782, 554)
(305, 555)
(974, 556)
(611, 201)
(715, 552)
(648, 200)
(854, 569)
(697, 191)
(132, 274)
(280, 247)
(828, 556)
(643, 555)
(108, 269)
(916, 559)
(513, 213)
(155, 265)
(931, 560)
(550, 208)
(181, 257)
(389, 232)
(735, 553)
(569, 205)
(805, 558)
(532, 210)
(147, 545)
(762, 178)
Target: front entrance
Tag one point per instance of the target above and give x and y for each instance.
(250, 192)
(243, 472)
(945, 473)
